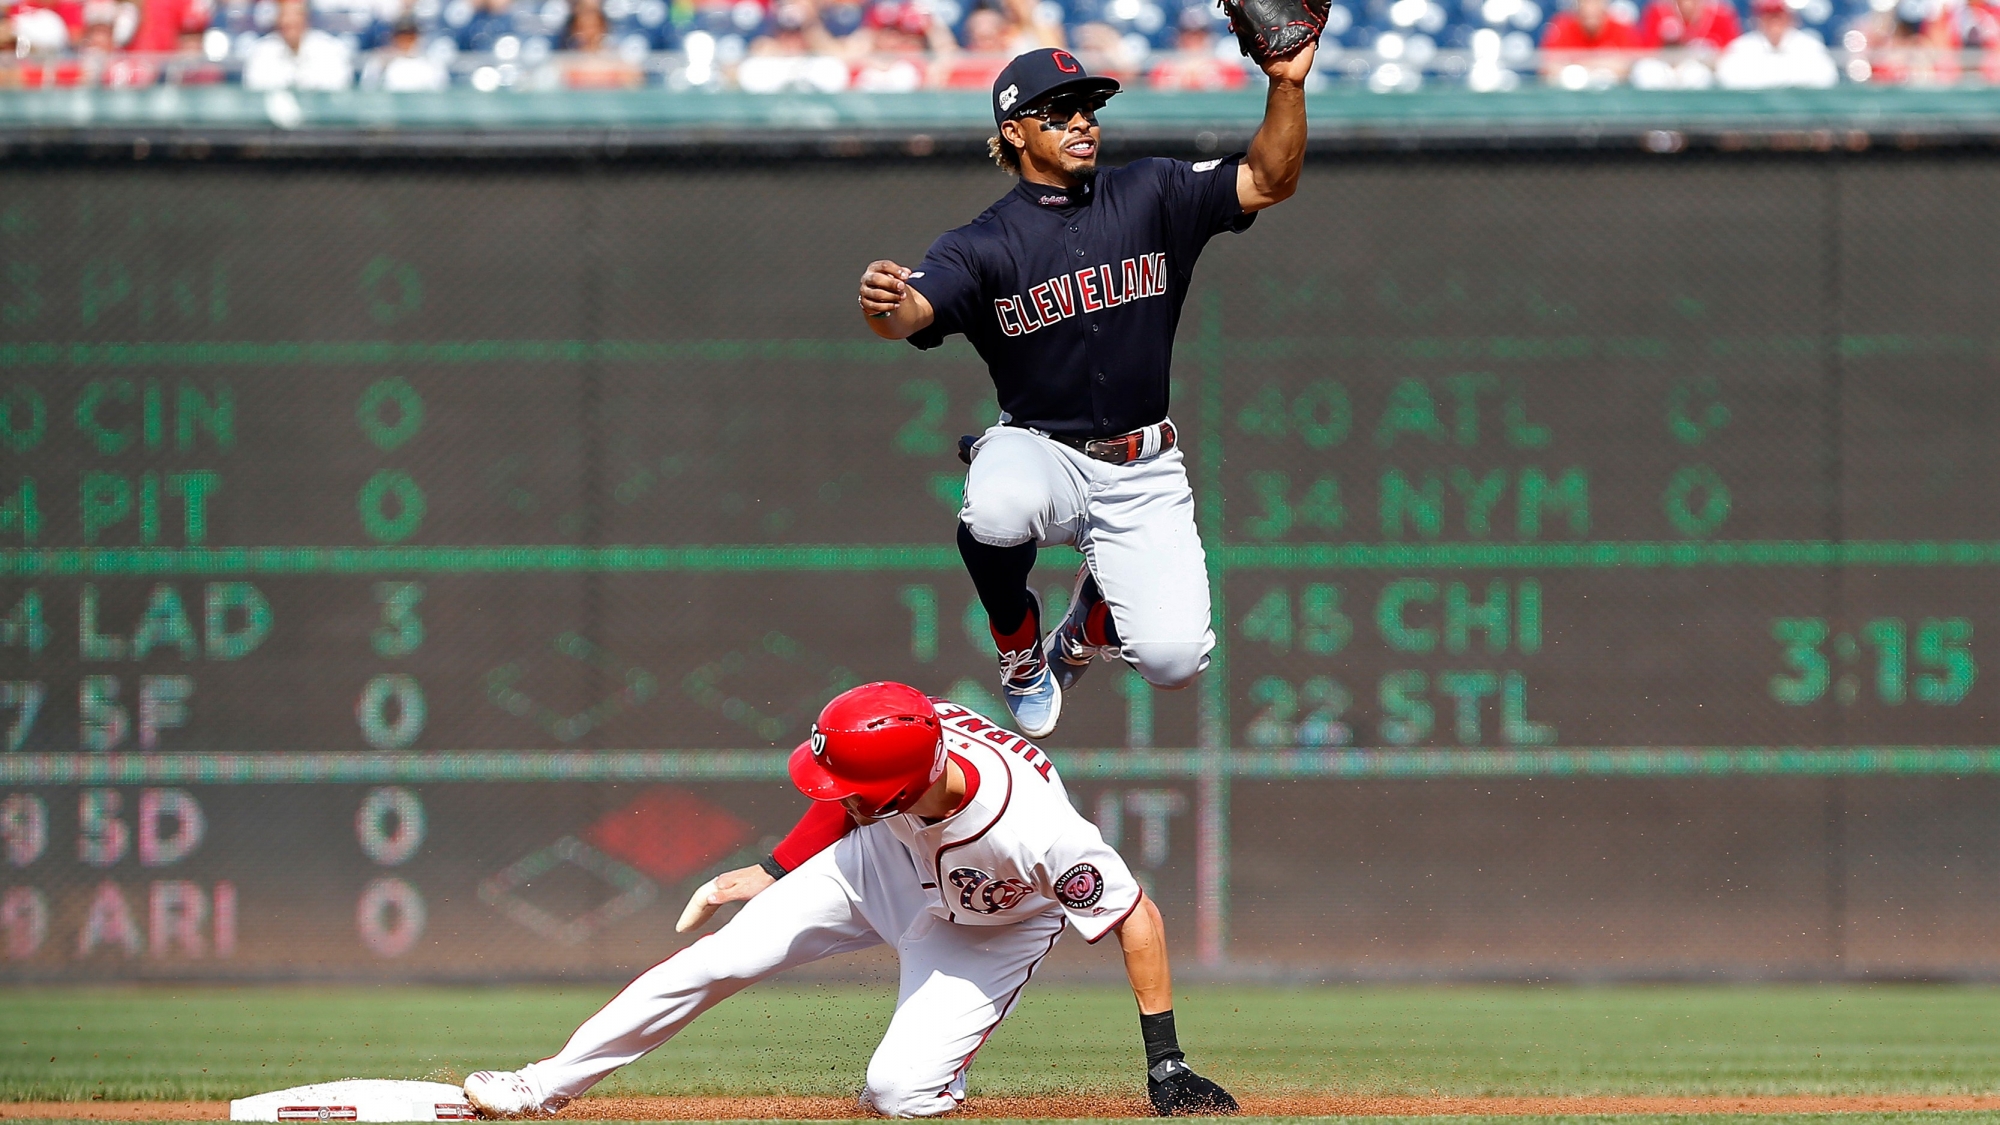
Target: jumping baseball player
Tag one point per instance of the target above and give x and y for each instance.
(932, 829)
(1070, 287)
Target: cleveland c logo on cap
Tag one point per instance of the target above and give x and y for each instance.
(1066, 63)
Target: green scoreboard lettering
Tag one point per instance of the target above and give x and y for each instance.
(425, 570)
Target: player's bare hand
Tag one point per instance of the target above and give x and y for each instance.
(739, 885)
(1294, 69)
(883, 288)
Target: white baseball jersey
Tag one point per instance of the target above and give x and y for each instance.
(971, 904)
(1018, 848)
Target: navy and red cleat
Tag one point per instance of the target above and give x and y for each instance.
(1086, 632)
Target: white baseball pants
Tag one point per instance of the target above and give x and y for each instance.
(1134, 524)
(957, 982)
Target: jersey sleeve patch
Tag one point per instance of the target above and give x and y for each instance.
(1080, 887)
(1201, 205)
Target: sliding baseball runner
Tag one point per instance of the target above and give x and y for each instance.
(933, 830)
(1070, 288)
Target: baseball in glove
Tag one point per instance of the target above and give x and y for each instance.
(1177, 1091)
(1274, 30)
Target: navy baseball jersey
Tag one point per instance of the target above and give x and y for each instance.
(1071, 296)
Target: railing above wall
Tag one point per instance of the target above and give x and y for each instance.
(176, 121)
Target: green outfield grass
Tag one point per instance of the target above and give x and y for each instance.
(204, 1043)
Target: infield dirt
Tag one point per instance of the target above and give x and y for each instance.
(782, 1108)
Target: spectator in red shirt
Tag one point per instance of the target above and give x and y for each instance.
(1979, 28)
(107, 26)
(900, 27)
(1588, 35)
(169, 25)
(900, 47)
(1705, 26)
(1922, 47)
(1979, 24)
(1589, 26)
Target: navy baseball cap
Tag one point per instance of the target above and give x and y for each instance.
(1038, 74)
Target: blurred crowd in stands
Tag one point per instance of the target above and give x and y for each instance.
(905, 45)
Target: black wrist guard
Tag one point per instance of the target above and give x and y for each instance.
(772, 867)
(1161, 1042)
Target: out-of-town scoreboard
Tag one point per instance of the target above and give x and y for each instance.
(428, 570)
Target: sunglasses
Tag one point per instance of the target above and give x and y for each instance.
(1060, 110)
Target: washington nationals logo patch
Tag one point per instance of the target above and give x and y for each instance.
(983, 894)
(1080, 887)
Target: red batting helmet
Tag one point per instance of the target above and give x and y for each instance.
(879, 742)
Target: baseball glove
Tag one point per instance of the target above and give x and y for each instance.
(1273, 30)
(1177, 1091)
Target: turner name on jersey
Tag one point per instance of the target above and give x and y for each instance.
(1019, 848)
(971, 728)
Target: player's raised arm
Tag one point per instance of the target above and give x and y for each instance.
(1270, 173)
(1174, 1087)
(893, 309)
